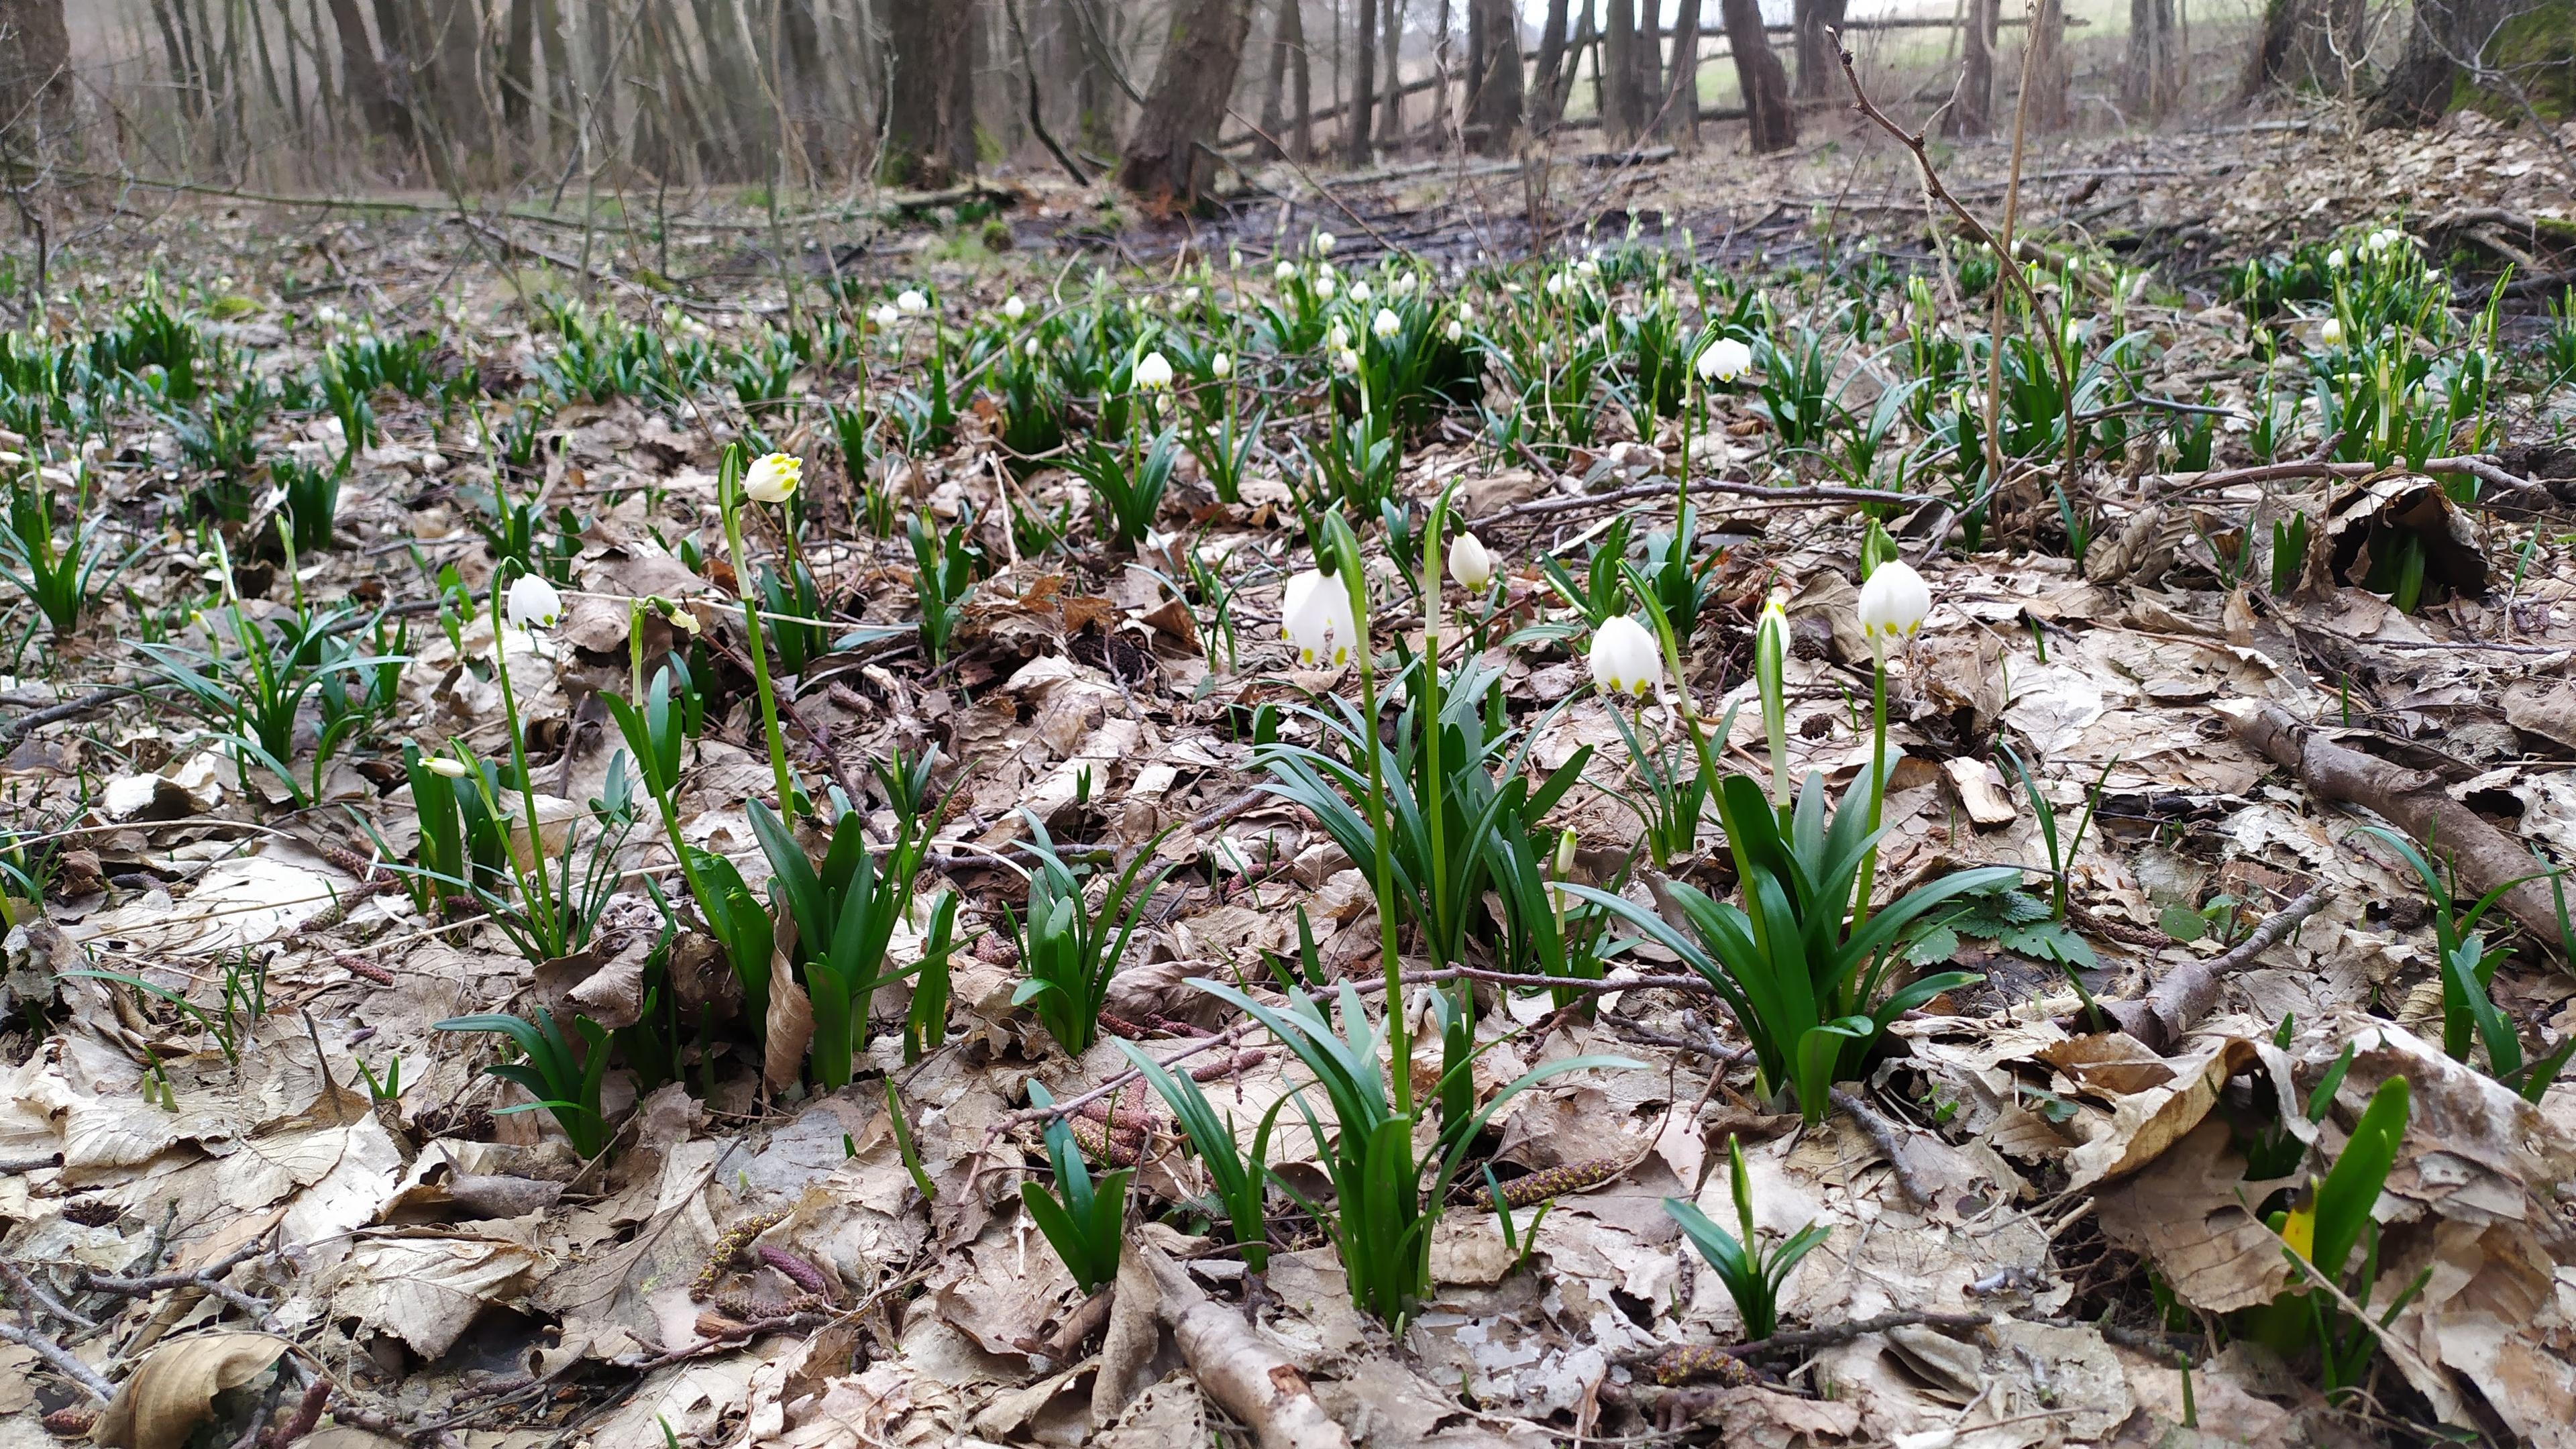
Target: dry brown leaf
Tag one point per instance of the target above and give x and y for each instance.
(2191, 1213)
(174, 1389)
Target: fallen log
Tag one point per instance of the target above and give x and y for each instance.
(2166, 1014)
(2483, 857)
(1237, 1368)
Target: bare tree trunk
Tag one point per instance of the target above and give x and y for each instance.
(1192, 84)
(2151, 82)
(1095, 125)
(1646, 65)
(1812, 19)
(2495, 45)
(1302, 96)
(1618, 73)
(453, 70)
(1494, 100)
(1681, 97)
(1548, 80)
(1363, 107)
(1972, 114)
(519, 71)
(930, 120)
(1765, 81)
(2049, 74)
(35, 76)
(1274, 82)
(1390, 124)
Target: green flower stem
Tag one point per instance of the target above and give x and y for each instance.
(729, 504)
(1346, 548)
(1673, 662)
(1877, 786)
(518, 748)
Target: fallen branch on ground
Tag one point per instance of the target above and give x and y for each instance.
(2417, 802)
(2177, 1004)
(1237, 1368)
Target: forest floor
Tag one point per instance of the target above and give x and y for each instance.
(2075, 1199)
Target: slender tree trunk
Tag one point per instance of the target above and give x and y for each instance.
(519, 69)
(1549, 78)
(1274, 82)
(1618, 72)
(2049, 71)
(1095, 92)
(930, 122)
(1301, 78)
(1813, 19)
(1681, 96)
(1363, 108)
(1972, 114)
(1646, 66)
(454, 46)
(2151, 81)
(1772, 119)
(1192, 83)
(1390, 124)
(1494, 100)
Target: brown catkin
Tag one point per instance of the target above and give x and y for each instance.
(729, 1247)
(1538, 1187)
(1694, 1361)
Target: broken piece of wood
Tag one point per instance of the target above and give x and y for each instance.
(2483, 856)
(1237, 1368)
(2176, 1005)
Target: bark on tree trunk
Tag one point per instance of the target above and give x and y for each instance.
(930, 117)
(1363, 105)
(2508, 46)
(1095, 96)
(1495, 99)
(2049, 77)
(519, 68)
(2151, 82)
(1681, 98)
(1548, 79)
(454, 39)
(1972, 114)
(1765, 81)
(1646, 67)
(1192, 83)
(1816, 57)
(360, 76)
(35, 75)
(1618, 70)
(1274, 82)
(1390, 121)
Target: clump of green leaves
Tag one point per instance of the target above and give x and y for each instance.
(1241, 1178)
(1070, 948)
(2470, 1017)
(2320, 1238)
(564, 1080)
(1085, 1221)
(1751, 1269)
(1812, 993)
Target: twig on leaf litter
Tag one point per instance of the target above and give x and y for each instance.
(1886, 1137)
(61, 1358)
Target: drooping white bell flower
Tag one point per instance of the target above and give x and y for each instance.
(1360, 293)
(1892, 605)
(1471, 563)
(911, 303)
(1724, 360)
(1386, 324)
(1284, 272)
(532, 603)
(2331, 334)
(447, 766)
(1221, 367)
(884, 316)
(1624, 657)
(1325, 286)
(1338, 337)
(1315, 616)
(1325, 242)
(1014, 308)
(1155, 372)
(773, 479)
(1455, 330)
